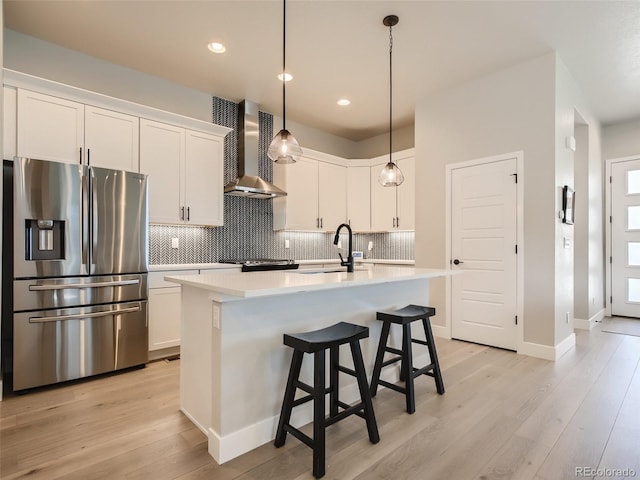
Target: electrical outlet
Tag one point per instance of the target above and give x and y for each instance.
(286, 243)
(175, 243)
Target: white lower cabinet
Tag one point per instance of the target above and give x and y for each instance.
(164, 317)
(165, 310)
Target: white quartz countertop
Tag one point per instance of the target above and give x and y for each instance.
(205, 266)
(279, 282)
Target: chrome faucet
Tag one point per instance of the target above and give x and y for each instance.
(349, 262)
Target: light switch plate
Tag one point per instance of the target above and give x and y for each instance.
(175, 243)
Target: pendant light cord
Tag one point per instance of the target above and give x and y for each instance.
(284, 56)
(390, 92)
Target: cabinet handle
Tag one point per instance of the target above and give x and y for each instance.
(320, 222)
(182, 213)
(80, 155)
(397, 222)
(188, 213)
(394, 222)
(88, 156)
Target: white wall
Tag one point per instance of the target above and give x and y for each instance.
(403, 139)
(621, 140)
(571, 108)
(581, 227)
(511, 110)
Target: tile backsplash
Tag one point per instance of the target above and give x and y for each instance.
(248, 223)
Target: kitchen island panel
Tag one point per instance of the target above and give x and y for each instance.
(234, 365)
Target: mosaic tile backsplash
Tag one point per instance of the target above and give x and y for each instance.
(248, 223)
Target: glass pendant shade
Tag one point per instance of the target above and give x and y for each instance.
(284, 148)
(390, 176)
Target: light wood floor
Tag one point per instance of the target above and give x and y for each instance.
(503, 416)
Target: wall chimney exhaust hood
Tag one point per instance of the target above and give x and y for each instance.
(249, 183)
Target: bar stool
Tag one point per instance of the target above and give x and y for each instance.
(405, 316)
(317, 342)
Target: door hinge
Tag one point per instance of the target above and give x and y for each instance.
(516, 249)
(610, 179)
(516, 319)
(610, 219)
(611, 299)
(610, 259)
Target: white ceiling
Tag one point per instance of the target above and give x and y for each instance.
(340, 48)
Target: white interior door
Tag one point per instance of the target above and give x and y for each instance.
(625, 238)
(483, 241)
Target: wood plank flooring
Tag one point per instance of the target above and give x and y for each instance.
(503, 416)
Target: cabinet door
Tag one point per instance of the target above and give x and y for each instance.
(49, 128)
(164, 317)
(299, 209)
(332, 195)
(162, 157)
(9, 115)
(407, 195)
(383, 203)
(203, 178)
(111, 139)
(359, 198)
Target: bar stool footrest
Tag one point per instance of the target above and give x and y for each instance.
(421, 342)
(428, 370)
(393, 350)
(301, 400)
(346, 370)
(391, 361)
(392, 386)
(304, 438)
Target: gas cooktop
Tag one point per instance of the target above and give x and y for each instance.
(261, 264)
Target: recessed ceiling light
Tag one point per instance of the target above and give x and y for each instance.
(287, 77)
(216, 47)
(343, 102)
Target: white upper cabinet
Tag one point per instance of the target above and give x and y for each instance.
(111, 139)
(406, 217)
(299, 209)
(393, 208)
(383, 203)
(316, 195)
(162, 157)
(49, 128)
(53, 128)
(204, 178)
(359, 198)
(185, 174)
(332, 195)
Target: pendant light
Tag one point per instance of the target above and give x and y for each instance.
(390, 176)
(284, 147)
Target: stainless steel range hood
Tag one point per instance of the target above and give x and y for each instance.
(249, 183)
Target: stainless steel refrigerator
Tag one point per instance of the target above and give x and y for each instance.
(77, 291)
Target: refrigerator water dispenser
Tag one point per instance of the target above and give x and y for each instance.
(44, 239)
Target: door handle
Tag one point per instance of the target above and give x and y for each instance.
(76, 316)
(457, 262)
(63, 286)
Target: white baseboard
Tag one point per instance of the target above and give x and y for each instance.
(440, 331)
(547, 352)
(227, 447)
(582, 324)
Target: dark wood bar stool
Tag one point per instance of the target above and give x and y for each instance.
(405, 316)
(317, 342)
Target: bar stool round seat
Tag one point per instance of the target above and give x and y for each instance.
(316, 343)
(404, 317)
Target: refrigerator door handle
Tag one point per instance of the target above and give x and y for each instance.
(85, 227)
(76, 316)
(62, 286)
(94, 224)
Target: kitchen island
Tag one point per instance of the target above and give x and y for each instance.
(234, 366)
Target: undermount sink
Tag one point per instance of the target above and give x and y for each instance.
(312, 271)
